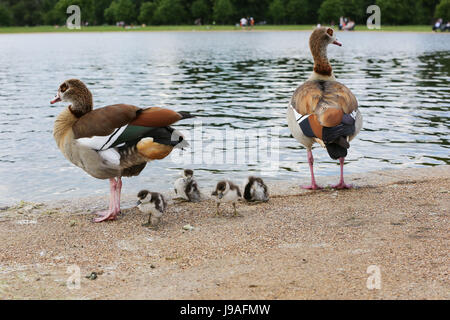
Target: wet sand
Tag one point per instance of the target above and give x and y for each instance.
(299, 245)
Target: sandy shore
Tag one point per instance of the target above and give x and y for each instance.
(300, 245)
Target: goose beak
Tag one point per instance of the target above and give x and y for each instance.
(56, 99)
(337, 43)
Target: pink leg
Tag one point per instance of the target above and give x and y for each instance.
(114, 202)
(118, 193)
(341, 184)
(313, 185)
(111, 199)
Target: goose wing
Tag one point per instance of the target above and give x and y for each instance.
(327, 100)
(104, 121)
(123, 126)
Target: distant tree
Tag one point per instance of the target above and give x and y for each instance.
(313, 11)
(223, 11)
(297, 11)
(443, 10)
(49, 15)
(99, 11)
(398, 12)
(35, 12)
(86, 8)
(170, 12)
(200, 9)
(126, 11)
(277, 12)
(110, 13)
(330, 10)
(147, 11)
(352, 9)
(426, 10)
(251, 8)
(5, 16)
(356, 10)
(20, 13)
(53, 17)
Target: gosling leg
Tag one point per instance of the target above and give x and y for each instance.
(236, 214)
(217, 211)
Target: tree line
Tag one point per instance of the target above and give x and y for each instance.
(178, 12)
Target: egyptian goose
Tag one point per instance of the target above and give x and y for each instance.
(255, 190)
(227, 191)
(153, 204)
(114, 141)
(323, 110)
(187, 188)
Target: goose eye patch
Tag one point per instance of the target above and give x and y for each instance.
(330, 32)
(63, 87)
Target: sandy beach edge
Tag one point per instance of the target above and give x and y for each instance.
(299, 245)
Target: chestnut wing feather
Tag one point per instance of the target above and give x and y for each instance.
(104, 121)
(156, 117)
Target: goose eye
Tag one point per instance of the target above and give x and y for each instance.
(63, 87)
(330, 32)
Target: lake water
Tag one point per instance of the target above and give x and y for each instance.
(230, 80)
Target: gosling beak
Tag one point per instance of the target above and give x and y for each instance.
(56, 99)
(138, 203)
(337, 43)
(220, 195)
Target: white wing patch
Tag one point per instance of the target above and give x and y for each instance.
(100, 143)
(298, 117)
(111, 156)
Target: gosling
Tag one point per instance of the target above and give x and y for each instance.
(255, 190)
(186, 187)
(154, 204)
(227, 191)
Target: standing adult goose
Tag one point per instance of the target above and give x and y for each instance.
(114, 141)
(323, 110)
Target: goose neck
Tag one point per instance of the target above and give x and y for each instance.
(321, 64)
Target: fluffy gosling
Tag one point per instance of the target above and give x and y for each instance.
(187, 188)
(255, 190)
(152, 203)
(227, 191)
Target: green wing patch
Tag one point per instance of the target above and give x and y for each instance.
(131, 133)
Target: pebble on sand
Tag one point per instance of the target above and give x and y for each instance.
(188, 227)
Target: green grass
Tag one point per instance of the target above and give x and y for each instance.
(399, 28)
(199, 28)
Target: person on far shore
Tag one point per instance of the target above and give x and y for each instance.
(251, 23)
(437, 25)
(440, 25)
(243, 23)
(341, 23)
(349, 25)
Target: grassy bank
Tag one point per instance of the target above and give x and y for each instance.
(199, 28)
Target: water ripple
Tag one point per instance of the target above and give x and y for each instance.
(230, 80)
